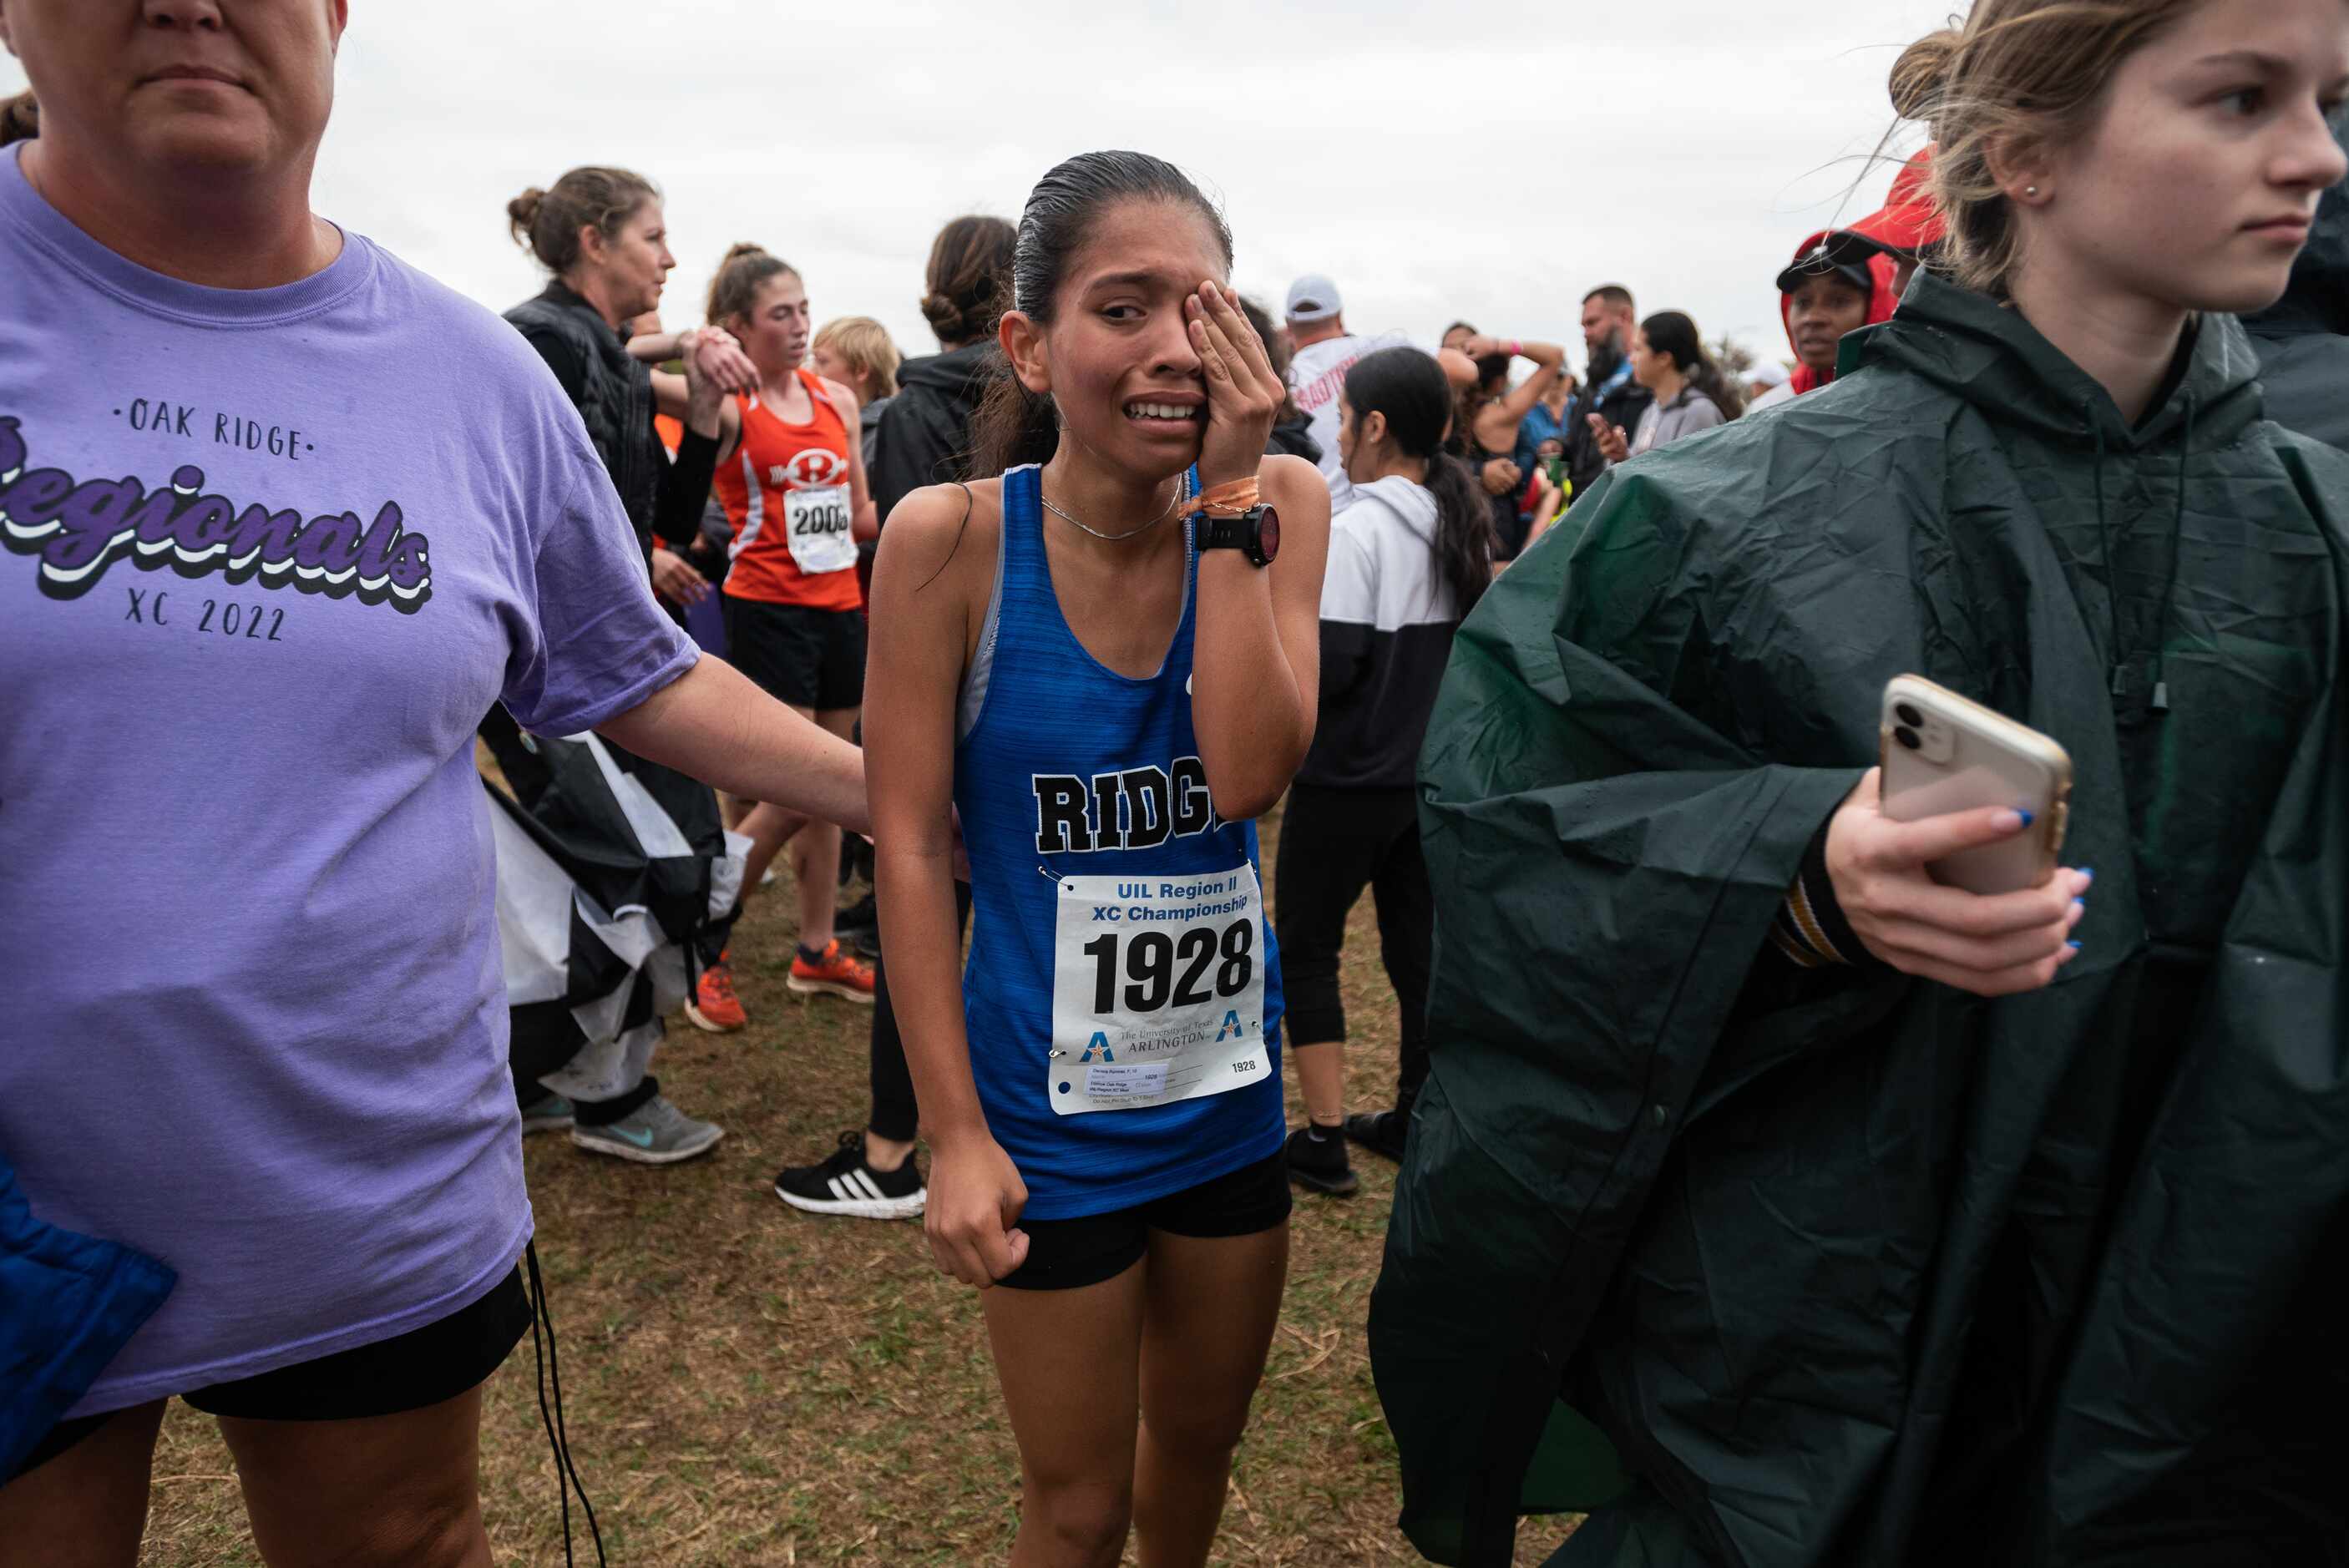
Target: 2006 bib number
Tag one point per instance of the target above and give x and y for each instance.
(1153, 959)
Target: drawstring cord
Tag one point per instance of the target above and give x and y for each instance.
(558, 1435)
(2169, 584)
(2120, 682)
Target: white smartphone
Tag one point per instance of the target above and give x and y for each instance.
(1943, 753)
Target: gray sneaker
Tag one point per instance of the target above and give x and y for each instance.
(655, 1133)
(550, 1112)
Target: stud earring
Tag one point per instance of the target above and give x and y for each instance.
(2031, 190)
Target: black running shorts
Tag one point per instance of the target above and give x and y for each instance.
(1064, 1255)
(423, 1366)
(804, 657)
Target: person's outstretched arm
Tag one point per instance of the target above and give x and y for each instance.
(714, 725)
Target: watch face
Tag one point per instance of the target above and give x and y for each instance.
(1269, 532)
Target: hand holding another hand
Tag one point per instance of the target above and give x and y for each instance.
(714, 359)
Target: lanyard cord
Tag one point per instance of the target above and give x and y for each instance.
(558, 1435)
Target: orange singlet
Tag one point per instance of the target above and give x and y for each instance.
(786, 492)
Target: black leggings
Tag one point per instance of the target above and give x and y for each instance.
(1334, 843)
(896, 1116)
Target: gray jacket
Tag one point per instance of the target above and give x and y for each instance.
(1685, 415)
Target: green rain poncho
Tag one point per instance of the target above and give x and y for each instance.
(1850, 1269)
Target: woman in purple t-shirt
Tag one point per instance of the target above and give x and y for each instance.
(283, 518)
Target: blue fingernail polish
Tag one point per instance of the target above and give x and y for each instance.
(2080, 904)
(2090, 874)
(2075, 948)
(2024, 814)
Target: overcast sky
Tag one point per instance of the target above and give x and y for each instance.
(1480, 160)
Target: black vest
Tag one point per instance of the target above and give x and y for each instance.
(615, 403)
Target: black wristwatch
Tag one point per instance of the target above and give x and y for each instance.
(1255, 534)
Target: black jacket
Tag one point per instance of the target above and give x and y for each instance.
(1623, 405)
(1293, 437)
(2303, 338)
(923, 434)
(614, 394)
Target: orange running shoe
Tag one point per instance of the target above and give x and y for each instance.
(838, 973)
(713, 1005)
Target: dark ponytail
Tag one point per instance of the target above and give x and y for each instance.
(20, 118)
(1015, 425)
(1670, 332)
(1463, 530)
(1408, 388)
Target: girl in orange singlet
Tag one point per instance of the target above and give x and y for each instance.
(795, 492)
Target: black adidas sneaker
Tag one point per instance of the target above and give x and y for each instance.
(1321, 1163)
(844, 1185)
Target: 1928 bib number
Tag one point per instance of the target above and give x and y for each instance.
(1153, 959)
(1157, 990)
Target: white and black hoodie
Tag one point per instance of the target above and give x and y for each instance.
(1387, 621)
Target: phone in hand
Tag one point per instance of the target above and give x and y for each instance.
(1942, 753)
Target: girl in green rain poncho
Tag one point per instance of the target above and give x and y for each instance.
(1771, 1201)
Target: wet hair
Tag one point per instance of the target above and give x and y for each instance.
(547, 222)
(970, 266)
(1408, 388)
(742, 272)
(2014, 76)
(1277, 353)
(1671, 333)
(20, 118)
(1015, 425)
(1614, 295)
(865, 344)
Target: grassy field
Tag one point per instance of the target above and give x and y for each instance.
(748, 1385)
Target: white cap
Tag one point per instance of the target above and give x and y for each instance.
(1313, 298)
(1767, 373)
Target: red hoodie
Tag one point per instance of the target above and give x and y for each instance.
(1881, 300)
(1906, 222)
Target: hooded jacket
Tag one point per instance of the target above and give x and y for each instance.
(1387, 621)
(2303, 338)
(923, 435)
(1776, 1268)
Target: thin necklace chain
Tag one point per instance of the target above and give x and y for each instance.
(1182, 488)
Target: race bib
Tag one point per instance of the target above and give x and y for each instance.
(1157, 990)
(818, 524)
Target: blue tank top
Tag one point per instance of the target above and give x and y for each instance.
(1097, 861)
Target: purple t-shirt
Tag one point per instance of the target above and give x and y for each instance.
(266, 557)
